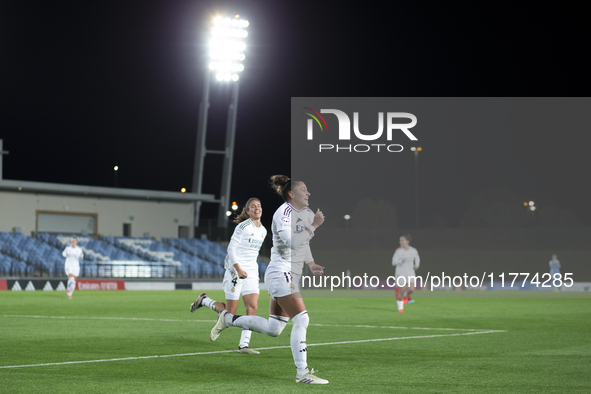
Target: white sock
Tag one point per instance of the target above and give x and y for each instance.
(71, 285)
(400, 304)
(272, 327)
(245, 338)
(208, 302)
(298, 342)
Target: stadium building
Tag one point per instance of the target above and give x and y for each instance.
(124, 233)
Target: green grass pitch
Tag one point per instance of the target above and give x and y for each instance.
(459, 342)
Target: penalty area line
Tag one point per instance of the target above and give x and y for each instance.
(234, 351)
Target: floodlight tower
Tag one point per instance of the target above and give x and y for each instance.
(226, 54)
(416, 151)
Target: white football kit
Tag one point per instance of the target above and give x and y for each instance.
(406, 268)
(291, 249)
(243, 250)
(73, 256)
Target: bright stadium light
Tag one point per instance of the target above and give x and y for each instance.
(531, 203)
(228, 213)
(227, 46)
(347, 217)
(532, 208)
(413, 148)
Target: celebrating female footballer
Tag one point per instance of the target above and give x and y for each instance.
(242, 270)
(293, 227)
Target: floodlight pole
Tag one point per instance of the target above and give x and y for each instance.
(228, 158)
(416, 189)
(2, 153)
(200, 146)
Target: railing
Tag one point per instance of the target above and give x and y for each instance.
(111, 269)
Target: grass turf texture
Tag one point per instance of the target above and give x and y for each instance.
(546, 346)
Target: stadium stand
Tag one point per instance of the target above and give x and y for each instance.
(41, 255)
(152, 250)
(29, 256)
(95, 251)
(207, 250)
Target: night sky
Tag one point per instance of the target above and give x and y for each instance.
(85, 86)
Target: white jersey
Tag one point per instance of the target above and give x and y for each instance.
(72, 255)
(411, 259)
(244, 247)
(291, 241)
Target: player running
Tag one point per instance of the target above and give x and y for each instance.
(73, 255)
(406, 259)
(242, 270)
(554, 269)
(293, 227)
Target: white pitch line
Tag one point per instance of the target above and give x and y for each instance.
(399, 328)
(109, 318)
(261, 348)
(213, 321)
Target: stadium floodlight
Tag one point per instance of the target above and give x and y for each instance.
(413, 148)
(183, 190)
(532, 208)
(228, 213)
(531, 203)
(226, 54)
(347, 217)
(116, 168)
(227, 46)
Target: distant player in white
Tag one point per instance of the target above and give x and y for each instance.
(242, 269)
(554, 268)
(73, 255)
(293, 227)
(406, 259)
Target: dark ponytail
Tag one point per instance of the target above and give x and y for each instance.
(282, 185)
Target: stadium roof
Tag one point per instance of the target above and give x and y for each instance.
(98, 191)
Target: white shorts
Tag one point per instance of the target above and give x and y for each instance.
(234, 287)
(282, 283)
(73, 268)
(409, 278)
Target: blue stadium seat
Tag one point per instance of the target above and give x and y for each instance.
(42, 254)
